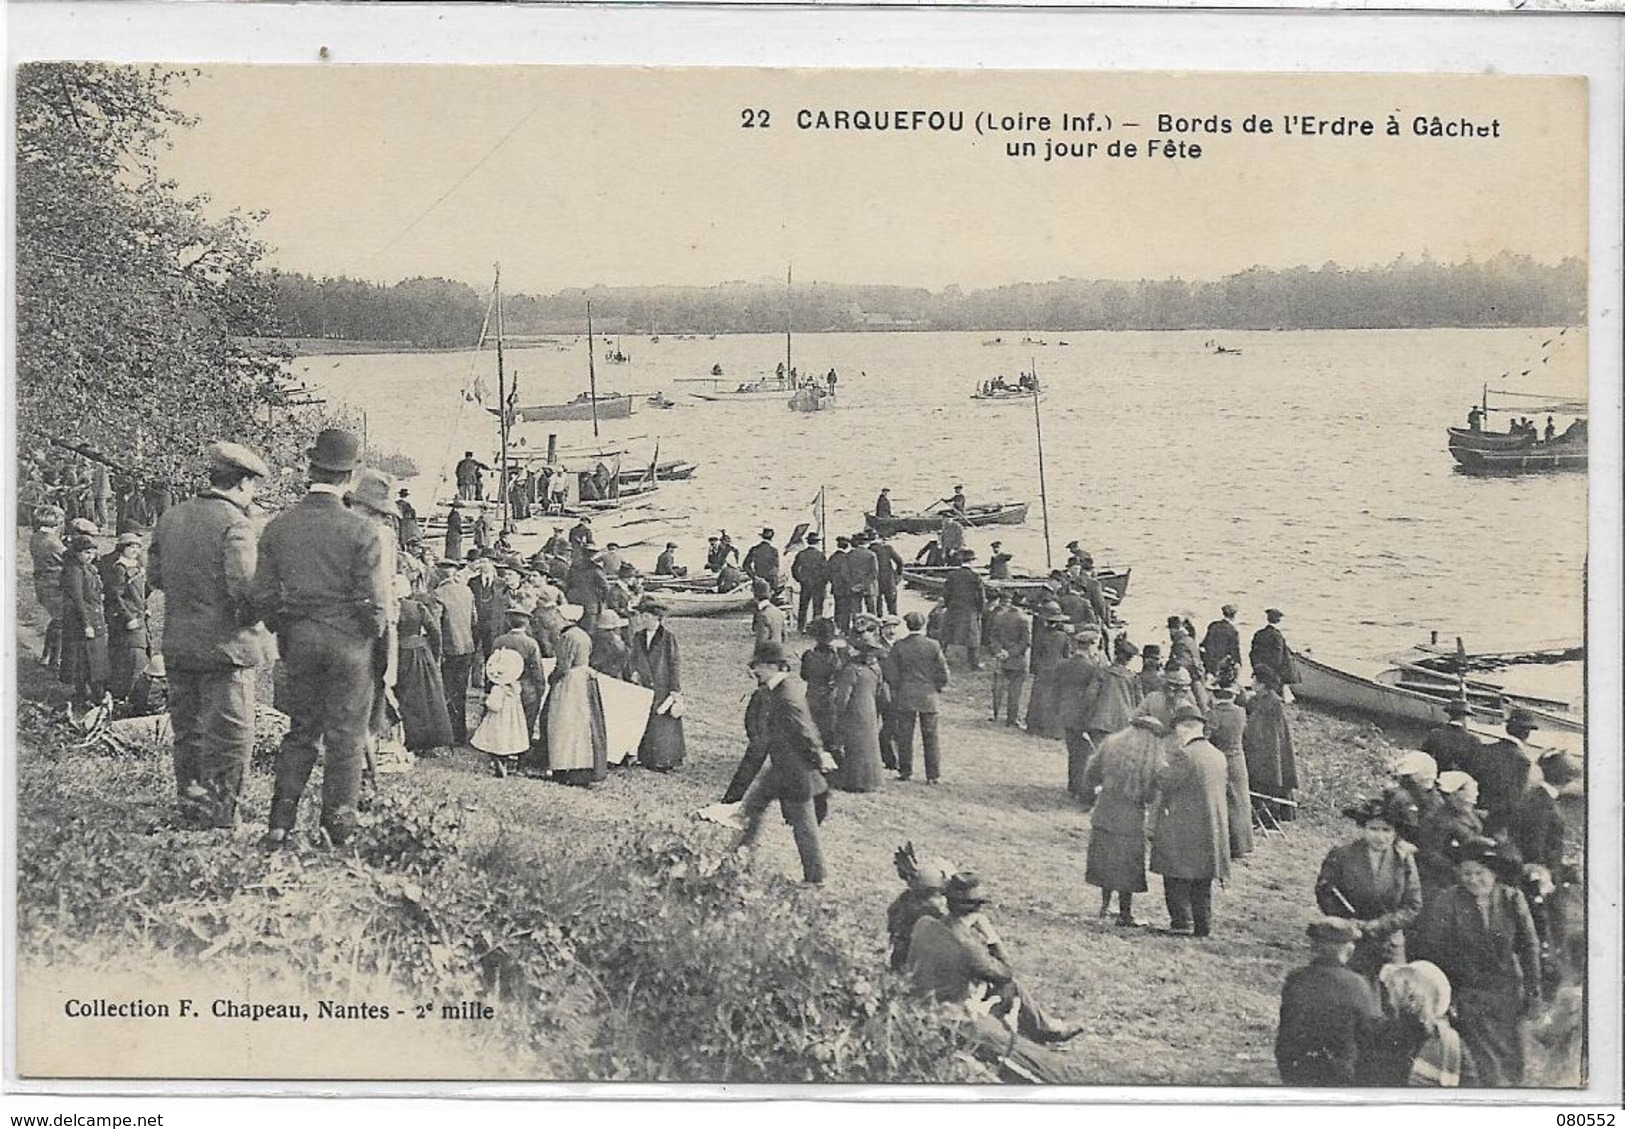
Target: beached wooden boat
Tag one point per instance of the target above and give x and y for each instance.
(930, 579)
(983, 513)
(681, 602)
(1398, 694)
(671, 470)
(611, 406)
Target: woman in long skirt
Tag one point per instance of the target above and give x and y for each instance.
(819, 665)
(1226, 721)
(1129, 761)
(418, 686)
(1048, 642)
(859, 702)
(577, 746)
(1272, 767)
(654, 661)
(85, 666)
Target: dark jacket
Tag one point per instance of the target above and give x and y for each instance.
(888, 565)
(203, 557)
(1500, 956)
(1269, 649)
(966, 600)
(1532, 828)
(810, 568)
(1385, 899)
(762, 563)
(839, 571)
(792, 743)
(917, 672)
(1452, 747)
(1221, 641)
(1008, 631)
(321, 563)
(1327, 1013)
(1075, 679)
(862, 572)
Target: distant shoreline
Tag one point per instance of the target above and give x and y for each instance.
(334, 346)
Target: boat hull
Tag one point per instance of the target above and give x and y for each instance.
(687, 603)
(1531, 460)
(765, 394)
(1015, 398)
(613, 407)
(1013, 513)
(931, 581)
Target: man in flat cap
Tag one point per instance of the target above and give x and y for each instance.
(1221, 641)
(321, 588)
(1327, 1011)
(1269, 650)
(203, 558)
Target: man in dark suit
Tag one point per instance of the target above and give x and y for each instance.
(1221, 641)
(917, 672)
(966, 600)
(1327, 1012)
(788, 740)
(762, 562)
(767, 624)
(1269, 649)
(1010, 637)
(203, 557)
(840, 583)
(888, 571)
(811, 573)
(863, 576)
(321, 586)
(883, 502)
(1505, 769)
(1452, 746)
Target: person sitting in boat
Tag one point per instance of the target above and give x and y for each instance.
(1551, 429)
(730, 576)
(666, 563)
(959, 501)
(716, 370)
(779, 372)
(930, 555)
(1475, 419)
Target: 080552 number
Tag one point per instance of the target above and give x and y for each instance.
(1586, 1120)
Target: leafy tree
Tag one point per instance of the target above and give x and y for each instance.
(134, 307)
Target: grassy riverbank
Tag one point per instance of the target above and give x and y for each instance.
(617, 937)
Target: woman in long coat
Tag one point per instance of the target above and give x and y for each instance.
(654, 661)
(1272, 767)
(454, 533)
(1226, 722)
(419, 689)
(577, 745)
(48, 552)
(1480, 933)
(125, 603)
(820, 663)
(1048, 642)
(1373, 881)
(1191, 844)
(1116, 696)
(1127, 765)
(859, 701)
(84, 623)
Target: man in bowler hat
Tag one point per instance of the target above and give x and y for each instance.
(203, 558)
(321, 588)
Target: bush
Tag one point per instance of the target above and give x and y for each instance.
(393, 463)
(646, 956)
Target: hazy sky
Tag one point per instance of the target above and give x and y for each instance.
(577, 176)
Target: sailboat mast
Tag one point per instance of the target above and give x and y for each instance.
(1043, 492)
(789, 319)
(592, 373)
(502, 411)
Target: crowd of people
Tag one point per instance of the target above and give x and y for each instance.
(1449, 899)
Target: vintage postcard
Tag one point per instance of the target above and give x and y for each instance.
(804, 576)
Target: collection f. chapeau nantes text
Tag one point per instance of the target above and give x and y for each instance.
(298, 1011)
(1078, 134)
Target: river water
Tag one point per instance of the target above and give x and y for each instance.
(1309, 472)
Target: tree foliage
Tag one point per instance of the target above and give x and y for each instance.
(425, 312)
(134, 306)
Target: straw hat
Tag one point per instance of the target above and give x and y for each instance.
(504, 666)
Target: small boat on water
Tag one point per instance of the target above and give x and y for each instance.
(930, 580)
(673, 470)
(661, 400)
(767, 388)
(1399, 694)
(982, 513)
(609, 406)
(1523, 448)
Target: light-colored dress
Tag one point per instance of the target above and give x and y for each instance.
(576, 742)
(502, 731)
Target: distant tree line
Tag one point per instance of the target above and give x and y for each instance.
(1505, 290)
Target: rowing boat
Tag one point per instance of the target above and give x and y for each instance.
(931, 579)
(985, 513)
(688, 603)
(1396, 694)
